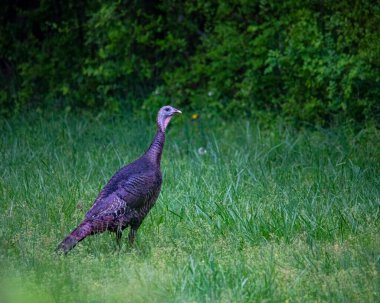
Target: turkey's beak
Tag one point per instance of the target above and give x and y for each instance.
(177, 111)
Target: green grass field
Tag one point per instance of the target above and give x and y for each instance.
(267, 214)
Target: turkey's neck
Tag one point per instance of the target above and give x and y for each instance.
(154, 151)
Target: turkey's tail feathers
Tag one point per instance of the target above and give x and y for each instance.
(77, 235)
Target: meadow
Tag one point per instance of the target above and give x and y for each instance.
(248, 212)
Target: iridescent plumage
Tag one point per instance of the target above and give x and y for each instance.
(129, 195)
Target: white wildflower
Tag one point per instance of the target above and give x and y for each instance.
(202, 151)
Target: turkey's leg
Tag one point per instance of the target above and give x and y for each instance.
(118, 237)
(133, 232)
(132, 235)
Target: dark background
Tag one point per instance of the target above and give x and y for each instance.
(308, 61)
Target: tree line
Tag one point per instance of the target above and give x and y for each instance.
(307, 60)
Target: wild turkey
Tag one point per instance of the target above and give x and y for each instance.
(129, 195)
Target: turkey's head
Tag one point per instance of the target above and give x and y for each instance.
(164, 116)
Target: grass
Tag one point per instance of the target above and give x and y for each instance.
(268, 214)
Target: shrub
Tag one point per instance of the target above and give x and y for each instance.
(309, 60)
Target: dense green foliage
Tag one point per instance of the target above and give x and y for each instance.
(309, 59)
(265, 215)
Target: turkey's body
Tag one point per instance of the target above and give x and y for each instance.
(126, 199)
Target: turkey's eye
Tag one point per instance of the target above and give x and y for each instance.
(167, 109)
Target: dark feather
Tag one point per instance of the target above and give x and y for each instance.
(128, 196)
